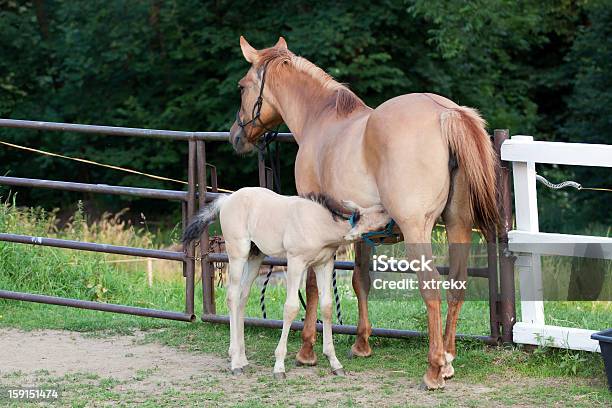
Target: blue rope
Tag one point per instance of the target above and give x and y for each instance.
(353, 219)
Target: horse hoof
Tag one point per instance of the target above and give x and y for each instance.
(425, 387)
(280, 376)
(352, 353)
(237, 371)
(449, 373)
(299, 363)
(339, 372)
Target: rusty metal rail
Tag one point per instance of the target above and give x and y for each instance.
(104, 307)
(341, 329)
(95, 188)
(94, 247)
(481, 272)
(123, 131)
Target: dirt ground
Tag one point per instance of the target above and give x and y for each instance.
(126, 365)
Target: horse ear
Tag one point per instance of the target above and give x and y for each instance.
(281, 43)
(250, 53)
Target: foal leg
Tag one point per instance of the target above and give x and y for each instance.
(236, 269)
(306, 355)
(295, 269)
(248, 277)
(361, 286)
(324, 276)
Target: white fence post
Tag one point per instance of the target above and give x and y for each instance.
(529, 266)
(524, 153)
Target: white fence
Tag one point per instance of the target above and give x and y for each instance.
(524, 153)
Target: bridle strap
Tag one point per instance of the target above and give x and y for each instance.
(270, 134)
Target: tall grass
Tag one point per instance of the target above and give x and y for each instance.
(78, 274)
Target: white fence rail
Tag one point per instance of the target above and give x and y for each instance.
(524, 153)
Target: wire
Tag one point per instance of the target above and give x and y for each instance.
(568, 183)
(109, 166)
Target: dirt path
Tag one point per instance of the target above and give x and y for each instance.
(125, 370)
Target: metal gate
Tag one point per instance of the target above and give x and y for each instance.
(501, 290)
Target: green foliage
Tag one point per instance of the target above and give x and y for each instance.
(535, 67)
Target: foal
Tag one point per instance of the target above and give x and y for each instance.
(307, 230)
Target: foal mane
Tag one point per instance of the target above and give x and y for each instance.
(333, 94)
(336, 209)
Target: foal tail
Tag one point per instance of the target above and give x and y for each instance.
(203, 219)
(464, 129)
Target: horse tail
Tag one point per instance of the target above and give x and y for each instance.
(203, 219)
(468, 140)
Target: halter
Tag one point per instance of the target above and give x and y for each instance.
(270, 134)
(370, 237)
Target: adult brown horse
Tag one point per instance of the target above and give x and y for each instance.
(419, 155)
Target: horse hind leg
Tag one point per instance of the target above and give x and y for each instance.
(236, 268)
(458, 256)
(417, 236)
(324, 276)
(459, 233)
(250, 273)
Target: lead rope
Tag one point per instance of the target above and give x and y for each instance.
(262, 297)
(336, 296)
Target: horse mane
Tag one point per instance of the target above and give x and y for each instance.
(336, 209)
(335, 94)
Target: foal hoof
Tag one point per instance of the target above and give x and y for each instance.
(280, 376)
(339, 372)
(237, 371)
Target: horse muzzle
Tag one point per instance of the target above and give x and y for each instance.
(239, 141)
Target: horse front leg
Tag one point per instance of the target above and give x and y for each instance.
(306, 355)
(361, 286)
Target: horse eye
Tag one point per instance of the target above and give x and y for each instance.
(241, 88)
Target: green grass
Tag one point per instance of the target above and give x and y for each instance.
(88, 276)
